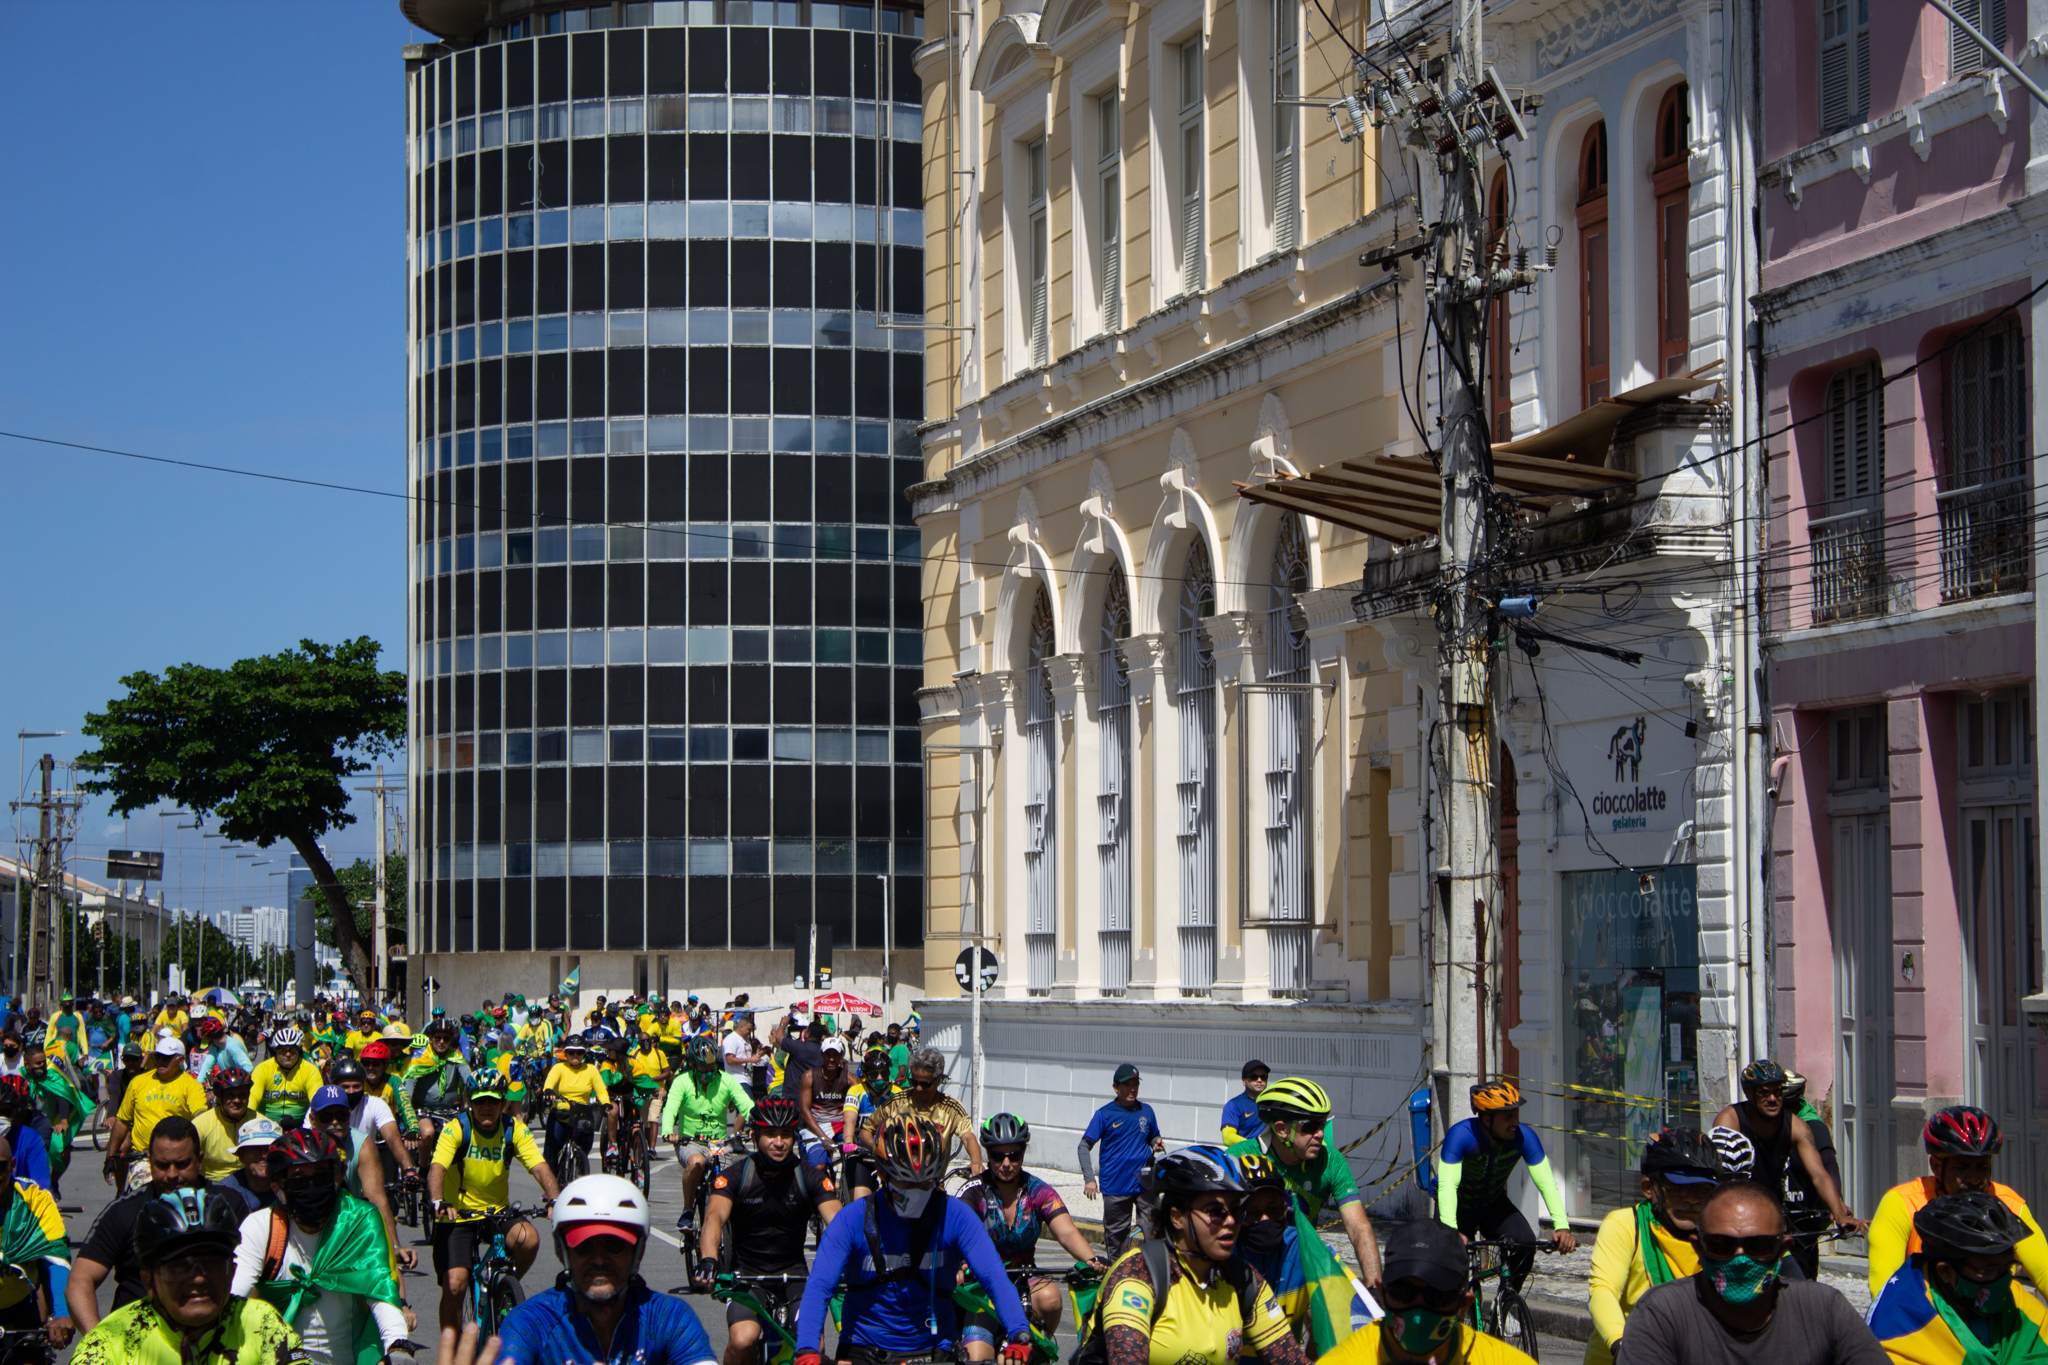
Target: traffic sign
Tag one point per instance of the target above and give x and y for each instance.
(134, 865)
(963, 965)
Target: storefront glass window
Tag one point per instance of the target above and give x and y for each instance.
(1633, 982)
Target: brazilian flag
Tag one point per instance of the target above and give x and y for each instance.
(1313, 1287)
(354, 1258)
(54, 1092)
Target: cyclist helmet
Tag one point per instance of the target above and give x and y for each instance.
(300, 1146)
(597, 1206)
(775, 1112)
(1737, 1152)
(703, 1051)
(1005, 1130)
(1195, 1170)
(1968, 1224)
(913, 1150)
(346, 1069)
(1496, 1095)
(1684, 1155)
(16, 1087)
(1293, 1097)
(573, 1043)
(230, 1078)
(1763, 1071)
(1962, 1130)
(489, 1085)
(444, 1027)
(287, 1037)
(378, 1051)
(1259, 1172)
(210, 1028)
(179, 1222)
(1795, 1087)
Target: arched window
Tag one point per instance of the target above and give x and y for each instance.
(1287, 851)
(1499, 332)
(1113, 796)
(1195, 711)
(1670, 179)
(1040, 843)
(1595, 301)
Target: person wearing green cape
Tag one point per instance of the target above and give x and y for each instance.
(323, 1260)
(1955, 1302)
(32, 1237)
(61, 1102)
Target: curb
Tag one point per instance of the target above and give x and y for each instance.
(1559, 1318)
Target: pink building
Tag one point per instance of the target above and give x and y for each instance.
(1903, 233)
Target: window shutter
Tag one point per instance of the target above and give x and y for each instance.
(1040, 345)
(1855, 443)
(1966, 55)
(1112, 283)
(1285, 219)
(1845, 64)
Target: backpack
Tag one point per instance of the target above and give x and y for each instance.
(273, 1252)
(1238, 1275)
(921, 1233)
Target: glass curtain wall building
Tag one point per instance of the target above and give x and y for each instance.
(665, 266)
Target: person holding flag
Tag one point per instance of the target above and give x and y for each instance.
(1277, 1240)
(59, 1099)
(323, 1260)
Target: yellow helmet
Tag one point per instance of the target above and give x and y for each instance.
(1495, 1095)
(1293, 1097)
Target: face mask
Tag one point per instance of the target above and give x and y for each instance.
(1263, 1238)
(1987, 1300)
(908, 1204)
(1739, 1279)
(1420, 1331)
(313, 1208)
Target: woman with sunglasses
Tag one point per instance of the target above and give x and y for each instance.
(1183, 1296)
(1017, 1207)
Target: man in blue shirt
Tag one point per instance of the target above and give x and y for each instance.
(1241, 1112)
(1129, 1134)
(904, 1306)
(607, 1313)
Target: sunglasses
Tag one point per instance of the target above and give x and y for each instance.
(1402, 1295)
(1718, 1246)
(1001, 1157)
(194, 1265)
(1216, 1214)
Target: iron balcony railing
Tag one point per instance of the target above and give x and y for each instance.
(1986, 539)
(1848, 564)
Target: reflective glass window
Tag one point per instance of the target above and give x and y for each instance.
(792, 541)
(518, 748)
(750, 220)
(490, 131)
(628, 220)
(626, 854)
(792, 857)
(708, 744)
(670, 327)
(792, 646)
(519, 337)
(586, 544)
(749, 745)
(589, 119)
(551, 227)
(551, 746)
(586, 438)
(668, 645)
(551, 334)
(519, 126)
(750, 542)
(708, 858)
(586, 331)
(750, 857)
(626, 542)
(835, 646)
(872, 746)
(625, 746)
(750, 113)
(586, 646)
(551, 438)
(628, 329)
(550, 648)
(519, 651)
(667, 746)
(551, 545)
(489, 340)
(586, 746)
(587, 224)
(628, 116)
(707, 114)
(750, 646)
(490, 651)
(834, 746)
(708, 645)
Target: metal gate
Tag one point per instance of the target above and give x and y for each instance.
(2002, 940)
(1861, 909)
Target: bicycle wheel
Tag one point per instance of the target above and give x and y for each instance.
(1512, 1322)
(578, 1160)
(643, 1167)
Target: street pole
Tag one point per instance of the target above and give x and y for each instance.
(378, 971)
(40, 921)
(888, 933)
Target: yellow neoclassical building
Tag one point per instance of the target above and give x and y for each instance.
(1165, 763)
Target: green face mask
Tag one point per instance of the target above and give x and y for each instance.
(1740, 1279)
(1988, 1299)
(1419, 1331)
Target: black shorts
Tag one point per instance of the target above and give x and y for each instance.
(455, 1243)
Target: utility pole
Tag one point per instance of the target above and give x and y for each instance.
(1457, 108)
(54, 811)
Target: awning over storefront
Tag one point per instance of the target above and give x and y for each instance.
(1400, 498)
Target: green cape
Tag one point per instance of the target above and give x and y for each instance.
(354, 1258)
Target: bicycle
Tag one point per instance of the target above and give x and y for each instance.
(1505, 1316)
(720, 1154)
(635, 1160)
(974, 1301)
(584, 1123)
(494, 1285)
(776, 1307)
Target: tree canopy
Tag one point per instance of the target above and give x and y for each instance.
(264, 746)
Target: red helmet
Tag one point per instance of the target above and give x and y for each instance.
(17, 1086)
(302, 1145)
(1962, 1130)
(230, 1078)
(378, 1051)
(210, 1027)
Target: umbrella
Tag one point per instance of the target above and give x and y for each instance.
(844, 1002)
(221, 995)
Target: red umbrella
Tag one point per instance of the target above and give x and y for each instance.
(844, 1002)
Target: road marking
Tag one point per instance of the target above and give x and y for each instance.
(666, 1238)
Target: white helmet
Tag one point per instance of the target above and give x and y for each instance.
(601, 1203)
(287, 1037)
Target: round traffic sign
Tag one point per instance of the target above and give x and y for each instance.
(963, 965)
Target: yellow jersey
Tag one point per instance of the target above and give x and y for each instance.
(150, 1101)
(481, 1181)
(1893, 1241)
(1474, 1348)
(576, 1084)
(278, 1096)
(649, 1065)
(1201, 1323)
(217, 1146)
(1620, 1277)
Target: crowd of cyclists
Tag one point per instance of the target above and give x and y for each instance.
(836, 1199)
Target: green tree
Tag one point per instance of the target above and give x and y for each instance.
(359, 880)
(266, 746)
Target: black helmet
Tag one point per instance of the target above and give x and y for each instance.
(445, 1028)
(181, 1221)
(775, 1112)
(1962, 1130)
(346, 1069)
(1195, 1170)
(1005, 1130)
(1967, 1224)
(1762, 1071)
(1683, 1153)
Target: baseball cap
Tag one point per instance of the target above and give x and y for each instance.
(1252, 1067)
(1425, 1250)
(258, 1132)
(168, 1047)
(329, 1097)
(576, 1234)
(837, 1045)
(1126, 1072)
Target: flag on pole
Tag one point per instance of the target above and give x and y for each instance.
(1312, 1286)
(567, 990)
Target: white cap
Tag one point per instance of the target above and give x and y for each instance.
(258, 1132)
(837, 1045)
(169, 1047)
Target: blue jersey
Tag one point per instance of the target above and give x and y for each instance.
(1484, 1165)
(912, 1313)
(1126, 1137)
(1241, 1114)
(657, 1329)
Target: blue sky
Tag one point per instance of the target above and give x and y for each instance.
(205, 248)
